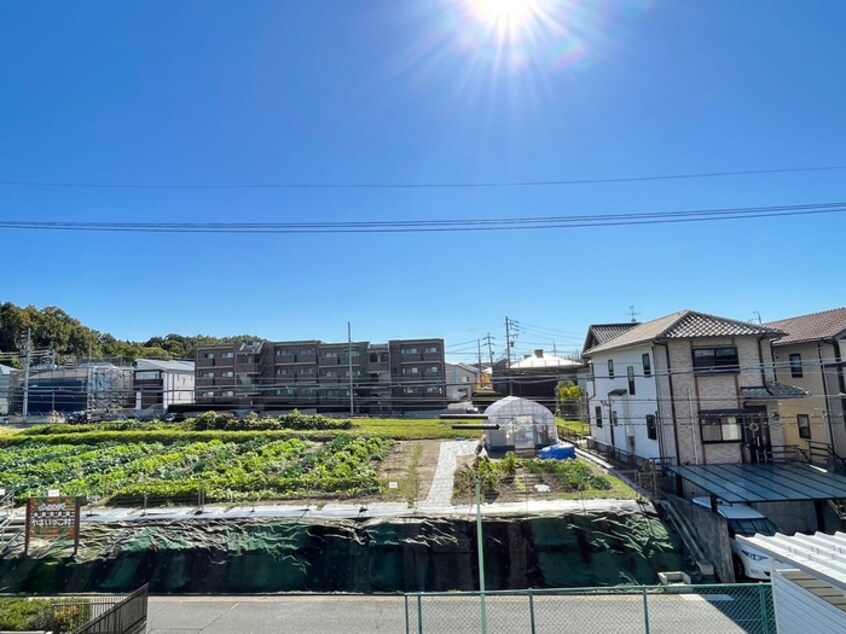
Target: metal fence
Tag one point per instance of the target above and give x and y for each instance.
(704, 609)
(107, 615)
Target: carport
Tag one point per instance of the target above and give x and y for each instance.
(761, 483)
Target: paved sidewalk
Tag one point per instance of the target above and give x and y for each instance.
(440, 493)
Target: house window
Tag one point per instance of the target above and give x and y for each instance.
(610, 368)
(796, 367)
(651, 427)
(228, 355)
(598, 411)
(720, 428)
(723, 359)
(804, 423)
(647, 364)
(631, 377)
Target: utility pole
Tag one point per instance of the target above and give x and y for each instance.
(479, 344)
(508, 353)
(349, 359)
(27, 363)
(490, 350)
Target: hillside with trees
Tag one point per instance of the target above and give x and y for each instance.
(53, 329)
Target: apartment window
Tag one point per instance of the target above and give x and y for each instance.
(631, 377)
(208, 355)
(720, 428)
(610, 368)
(330, 355)
(431, 350)
(647, 364)
(804, 423)
(227, 393)
(374, 357)
(307, 372)
(433, 369)
(228, 355)
(410, 390)
(228, 374)
(722, 359)
(796, 367)
(433, 390)
(331, 374)
(409, 351)
(355, 353)
(598, 411)
(306, 351)
(280, 372)
(410, 370)
(281, 352)
(208, 394)
(651, 427)
(208, 375)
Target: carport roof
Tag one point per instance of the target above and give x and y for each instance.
(772, 482)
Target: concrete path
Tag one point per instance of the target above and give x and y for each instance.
(440, 493)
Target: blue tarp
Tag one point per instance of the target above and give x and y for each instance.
(561, 451)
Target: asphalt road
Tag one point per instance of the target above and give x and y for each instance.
(717, 613)
(311, 614)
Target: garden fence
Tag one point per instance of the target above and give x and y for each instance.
(704, 609)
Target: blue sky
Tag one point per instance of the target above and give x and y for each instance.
(418, 91)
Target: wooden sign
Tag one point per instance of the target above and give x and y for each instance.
(53, 518)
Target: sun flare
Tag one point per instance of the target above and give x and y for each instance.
(511, 16)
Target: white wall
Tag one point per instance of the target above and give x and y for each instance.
(178, 388)
(631, 409)
(799, 611)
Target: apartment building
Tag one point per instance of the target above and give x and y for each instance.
(401, 375)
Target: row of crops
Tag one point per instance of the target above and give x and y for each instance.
(131, 473)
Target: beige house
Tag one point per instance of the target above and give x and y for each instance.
(689, 388)
(811, 357)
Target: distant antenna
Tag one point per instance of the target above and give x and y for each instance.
(755, 312)
(633, 314)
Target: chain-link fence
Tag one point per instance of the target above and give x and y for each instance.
(703, 609)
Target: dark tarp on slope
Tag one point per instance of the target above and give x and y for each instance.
(428, 554)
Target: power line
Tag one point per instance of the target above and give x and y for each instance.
(430, 226)
(425, 185)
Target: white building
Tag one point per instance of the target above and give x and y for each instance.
(160, 384)
(808, 581)
(5, 388)
(691, 388)
(460, 381)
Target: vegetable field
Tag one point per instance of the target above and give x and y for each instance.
(129, 473)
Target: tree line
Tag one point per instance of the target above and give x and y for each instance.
(53, 329)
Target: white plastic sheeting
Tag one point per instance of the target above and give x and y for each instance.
(523, 424)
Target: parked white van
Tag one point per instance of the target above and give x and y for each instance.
(746, 521)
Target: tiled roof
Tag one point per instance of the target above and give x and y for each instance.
(607, 332)
(770, 391)
(686, 324)
(825, 325)
(602, 333)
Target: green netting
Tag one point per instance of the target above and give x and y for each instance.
(423, 554)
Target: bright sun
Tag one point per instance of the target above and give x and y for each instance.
(510, 16)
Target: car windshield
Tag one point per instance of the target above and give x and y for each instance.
(749, 527)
